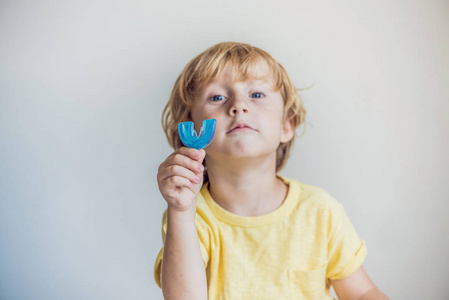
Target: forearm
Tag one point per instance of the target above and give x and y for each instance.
(183, 274)
(374, 294)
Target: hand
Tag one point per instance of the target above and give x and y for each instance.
(180, 178)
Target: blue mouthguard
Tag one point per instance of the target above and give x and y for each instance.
(189, 137)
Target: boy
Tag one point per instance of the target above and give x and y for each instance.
(234, 229)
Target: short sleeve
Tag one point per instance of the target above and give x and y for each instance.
(203, 235)
(346, 251)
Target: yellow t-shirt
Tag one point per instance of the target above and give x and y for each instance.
(290, 253)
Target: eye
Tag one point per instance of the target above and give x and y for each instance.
(217, 98)
(257, 95)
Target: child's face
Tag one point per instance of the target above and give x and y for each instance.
(249, 115)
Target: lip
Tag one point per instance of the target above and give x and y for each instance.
(240, 126)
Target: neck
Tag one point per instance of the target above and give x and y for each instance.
(246, 187)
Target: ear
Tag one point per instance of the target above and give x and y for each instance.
(287, 131)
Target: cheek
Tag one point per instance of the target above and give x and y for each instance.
(274, 115)
(197, 122)
(199, 115)
(274, 123)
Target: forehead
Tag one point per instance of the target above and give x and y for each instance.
(231, 72)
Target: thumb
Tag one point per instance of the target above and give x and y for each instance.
(201, 156)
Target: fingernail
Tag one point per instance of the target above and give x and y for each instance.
(196, 153)
(198, 179)
(200, 168)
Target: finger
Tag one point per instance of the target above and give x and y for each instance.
(201, 156)
(179, 182)
(178, 170)
(184, 161)
(194, 154)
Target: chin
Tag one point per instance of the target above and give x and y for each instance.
(245, 152)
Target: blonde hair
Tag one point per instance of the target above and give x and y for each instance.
(206, 66)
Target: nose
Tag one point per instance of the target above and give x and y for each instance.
(238, 106)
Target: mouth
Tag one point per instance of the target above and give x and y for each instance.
(240, 127)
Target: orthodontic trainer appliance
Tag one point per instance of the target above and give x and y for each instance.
(190, 138)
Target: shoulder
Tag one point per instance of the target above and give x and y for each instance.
(315, 204)
(312, 196)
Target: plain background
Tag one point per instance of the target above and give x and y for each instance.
(82, 88)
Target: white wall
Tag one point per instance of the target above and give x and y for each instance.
(82, 88)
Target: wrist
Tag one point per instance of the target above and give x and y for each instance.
(174, 213)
